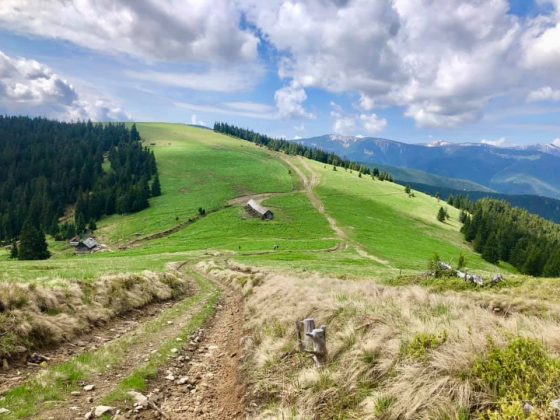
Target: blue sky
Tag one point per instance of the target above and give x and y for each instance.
(414, 71)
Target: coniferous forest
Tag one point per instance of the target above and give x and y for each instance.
(49, 166)
(501, 232)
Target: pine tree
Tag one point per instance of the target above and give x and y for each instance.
(33, 244)
(14, 251)
(552, 267)
(407, 189)
(441, 215)
(490, 251)
(156, 187)
(462, 216)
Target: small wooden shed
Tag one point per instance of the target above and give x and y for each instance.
(259, 211)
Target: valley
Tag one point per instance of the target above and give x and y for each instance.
(216, 339)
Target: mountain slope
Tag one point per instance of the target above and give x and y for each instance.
(506, 170)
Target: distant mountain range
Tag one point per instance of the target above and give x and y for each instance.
(533, 170)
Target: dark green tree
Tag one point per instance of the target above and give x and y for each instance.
(33, 244)
(156, 187)
(490, 250)
(14, 251)
(441, 216)
(552, 267)
(407, 189)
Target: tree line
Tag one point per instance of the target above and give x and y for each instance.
(296, 149)
(47, 166)
(501, 232)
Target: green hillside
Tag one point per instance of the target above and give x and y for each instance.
(384, 231)
(338, 242)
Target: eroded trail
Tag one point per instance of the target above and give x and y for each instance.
(309, 183)
(205, 381)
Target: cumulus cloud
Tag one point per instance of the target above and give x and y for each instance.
(290, 100)
(501, 142)
(31, 88)
(372, 123)
(171, 30)
(544, 94)
(556, 142)
(443, 60)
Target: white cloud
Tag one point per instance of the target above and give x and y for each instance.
(170, 30)
(342, 124)
(444, 61)
(501, 142)
(260, 111)
(229, 80)
(31, 88)
(544, 94)
(289, 101)
(196, 121)
(372, 123)
(556, 142)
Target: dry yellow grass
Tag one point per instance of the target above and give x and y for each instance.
(393, 352)
(33, 315)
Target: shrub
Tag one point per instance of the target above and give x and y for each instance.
(422, 343)
(520, 372)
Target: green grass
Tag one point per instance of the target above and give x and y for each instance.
(296, 226)
(198, 168)
(389, 224)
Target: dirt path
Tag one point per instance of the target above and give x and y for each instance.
(208, 382)
(18, 373)
(309, 183)
(138, 347)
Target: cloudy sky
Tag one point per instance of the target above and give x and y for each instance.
(409, 70)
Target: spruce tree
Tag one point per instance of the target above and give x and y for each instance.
(14, 251)
(552, 267)
(441, 215)
(33, 244)
(490, 251)
(156, 187)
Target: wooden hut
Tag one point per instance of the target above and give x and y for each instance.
(259, 211)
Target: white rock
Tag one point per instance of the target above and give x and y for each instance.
(4, 411)
(174, 350)
(101, 410)
(555, 404)
(183, 380)
(139, 398)
(90, 387)
(170, 377)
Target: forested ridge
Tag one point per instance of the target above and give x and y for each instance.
(49, 165)
(296, 149)
(501, 232)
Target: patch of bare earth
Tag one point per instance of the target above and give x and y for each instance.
(205, 381)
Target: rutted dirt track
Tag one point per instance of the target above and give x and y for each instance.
(19, 372)
(207, 379)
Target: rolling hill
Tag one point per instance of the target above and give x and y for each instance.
(506, 170)
(192, 302)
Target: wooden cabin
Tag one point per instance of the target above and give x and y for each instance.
(259, 211)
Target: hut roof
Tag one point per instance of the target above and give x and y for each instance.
(90, 243)
(257, 207)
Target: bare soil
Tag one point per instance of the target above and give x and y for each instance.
(208, 380)
(19, 371)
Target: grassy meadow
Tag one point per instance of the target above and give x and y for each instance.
(348, 250)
